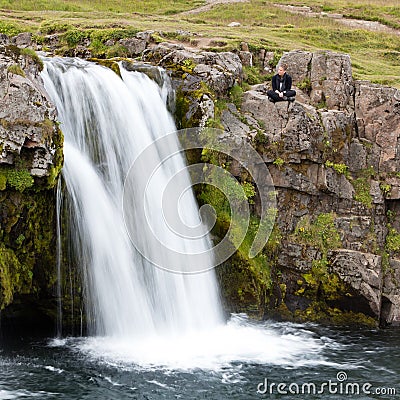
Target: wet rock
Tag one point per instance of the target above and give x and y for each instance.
(391, 295)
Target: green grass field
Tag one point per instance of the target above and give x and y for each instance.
(375, 54)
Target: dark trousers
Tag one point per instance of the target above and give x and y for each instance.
(275, 96)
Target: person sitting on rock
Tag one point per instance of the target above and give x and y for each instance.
(281, 86)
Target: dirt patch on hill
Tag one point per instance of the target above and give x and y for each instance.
(350, 22)
(210, 4)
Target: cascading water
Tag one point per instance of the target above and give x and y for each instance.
(139, 313)
(107, 122)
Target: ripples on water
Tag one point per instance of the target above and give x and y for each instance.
(228, 363)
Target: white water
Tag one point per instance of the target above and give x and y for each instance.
(139, 313)
(107, 123)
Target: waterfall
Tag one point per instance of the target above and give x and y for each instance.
(108, 121)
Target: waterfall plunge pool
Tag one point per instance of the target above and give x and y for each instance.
(214, 366)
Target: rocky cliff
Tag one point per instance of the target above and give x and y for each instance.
(334, 251)
(30, 161)
(334, 159)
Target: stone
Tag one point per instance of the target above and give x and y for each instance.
(4, 39)
(391, 295)
(134, 46)
(357, 159)
(339, 128)
(82, 51)
(329, 75)
(233, 125)
(244, 46)
(145, 35)
(27, 117)
(246, 58)
(378, 121)
(298, 63)
(294, 123)
(52, 41)
(331, 80)
(23, 39)
(363, 272)
(267, 60)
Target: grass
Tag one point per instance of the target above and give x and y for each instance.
(375, 55)
(165, 7)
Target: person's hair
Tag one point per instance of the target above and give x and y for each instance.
(284, 66)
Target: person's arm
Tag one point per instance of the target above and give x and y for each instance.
(288, 83)
(274, 84)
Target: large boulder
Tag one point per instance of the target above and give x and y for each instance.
(219, 71)
(378, 121)
(326, 76)
(363, 271)
(29, 132)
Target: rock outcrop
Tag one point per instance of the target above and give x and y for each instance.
(30, 162)
(334, 160)
(334, 152)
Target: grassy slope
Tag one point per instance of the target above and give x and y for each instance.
(375, 55)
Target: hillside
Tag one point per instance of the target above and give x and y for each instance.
(367, 30)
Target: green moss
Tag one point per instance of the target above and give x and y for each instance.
(254, 279)
(392, 240)
(305, 85)
(249, 191)
(319, 312)
(19, 179)
(183, 101)
(253, 75)
(340, 168)
(27, 52)
(3, 180)
(117, 50)
(362, 188)
(27, 243)
(320, 233)
(74, 36)
(9, 28)
(58, 159)
(236, 95)
(319, 284)
(260, 139)
(16, 70)
(279, 162)
(385, 188)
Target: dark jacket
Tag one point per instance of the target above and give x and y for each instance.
(286, 80)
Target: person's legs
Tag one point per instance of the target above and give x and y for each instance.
(290, 93)
(273, 96)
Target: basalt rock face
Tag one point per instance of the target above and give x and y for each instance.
(30, 161)
(334, 158)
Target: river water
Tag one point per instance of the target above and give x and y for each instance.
(339, 362)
